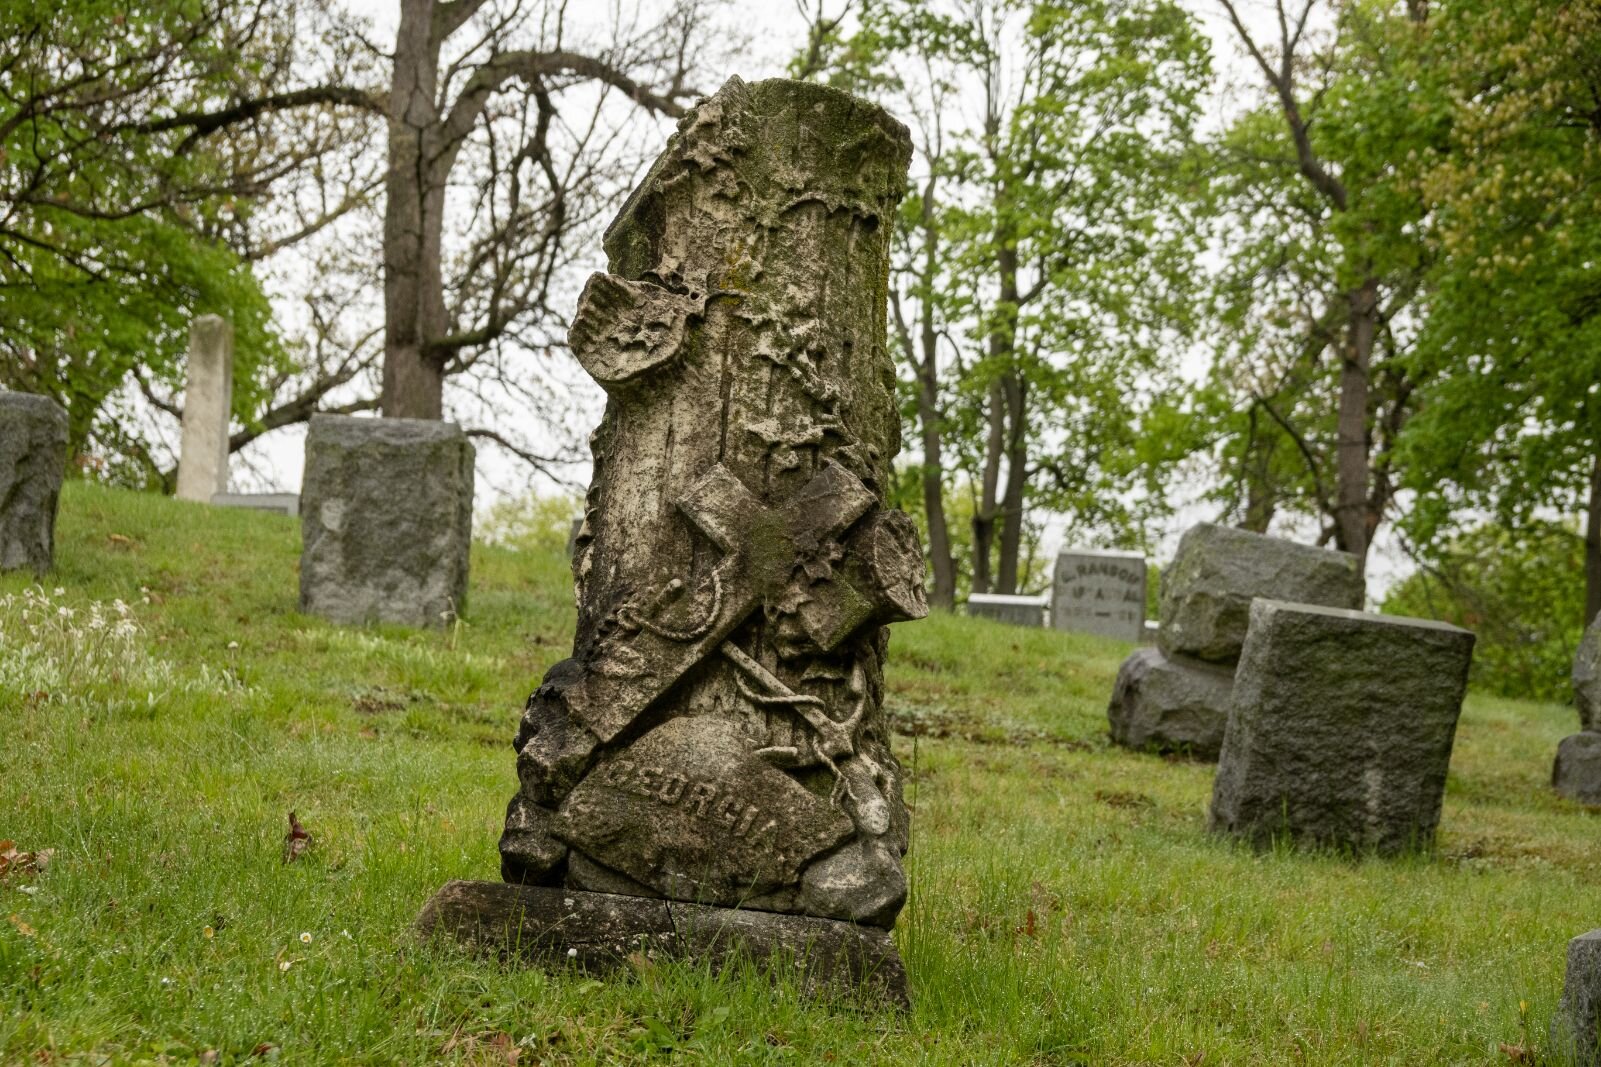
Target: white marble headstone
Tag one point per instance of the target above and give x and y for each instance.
(1100, 593)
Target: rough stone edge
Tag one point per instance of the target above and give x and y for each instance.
(1578, 1006)
(597, 932)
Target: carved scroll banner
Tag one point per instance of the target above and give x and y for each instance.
(718, 737)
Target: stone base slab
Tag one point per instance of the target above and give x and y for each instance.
(282, 503)
(599, 931)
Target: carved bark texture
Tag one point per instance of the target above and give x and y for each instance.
(717, 735)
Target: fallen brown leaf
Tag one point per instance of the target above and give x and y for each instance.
(1516, 1053)
(15, 863)
(503, 1044)
(296, 841)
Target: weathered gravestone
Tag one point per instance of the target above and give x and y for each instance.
(1587, 678)
(1577, 771)
(1008, 608)
(1170, 704)
(1576, 1027)
(1176, 697)
(1341, 728)
(1220, 570)
(717, 741)
(1576, 774)
(207, 407)
(386, 520)
(33, 460)
(1100, 593)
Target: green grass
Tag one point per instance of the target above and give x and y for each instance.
(1067, 904)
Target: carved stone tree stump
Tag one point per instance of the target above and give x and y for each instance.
(717, 737)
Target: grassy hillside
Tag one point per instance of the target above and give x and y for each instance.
(1067, 905)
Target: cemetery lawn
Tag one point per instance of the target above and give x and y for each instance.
(1067, 904)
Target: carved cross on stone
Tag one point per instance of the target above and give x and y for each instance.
(763, 546)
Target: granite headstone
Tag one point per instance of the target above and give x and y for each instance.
(717, 739)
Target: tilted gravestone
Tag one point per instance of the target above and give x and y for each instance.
(1587, 678)
(33, 461)
(1577, 771)
(1576, 774)
(386, 511)
(1220, 570)
(207, 408)
(1341, 728)
(1576, 1027)
(1176, 697)
(1100, 593)
(1008, 608)
(715, 752)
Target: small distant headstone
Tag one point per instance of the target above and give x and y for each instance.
(33, 461)
(1100, 593)
(1175, 702)
(1004, 607)
(207, 407)
(1152, 633)
(1341, 728)
(1576, 1027)
(386, 520)
(1170, 704)
(1219, 570)
(281, 503)
(713, 762)
(1577, 771)
(1587, 678)
(572, 535)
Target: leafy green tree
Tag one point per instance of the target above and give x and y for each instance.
(1324, 264)
(1512, 587)
(113, 224)
(1041, 273)
(1511, 343)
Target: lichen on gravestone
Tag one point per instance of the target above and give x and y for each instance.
(718, 733)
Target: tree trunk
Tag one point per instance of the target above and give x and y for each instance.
(414, 300)
(928, 417)
(1256, 471)
(1592, 548)
(984, 516)
(1351, 468)
(1016, 391)
(1014, 439)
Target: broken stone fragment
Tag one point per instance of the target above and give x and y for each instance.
(553, 749)
(862, 882)
(1170, 704)
(529, 855)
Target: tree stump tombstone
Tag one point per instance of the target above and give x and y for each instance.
(717, 737)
